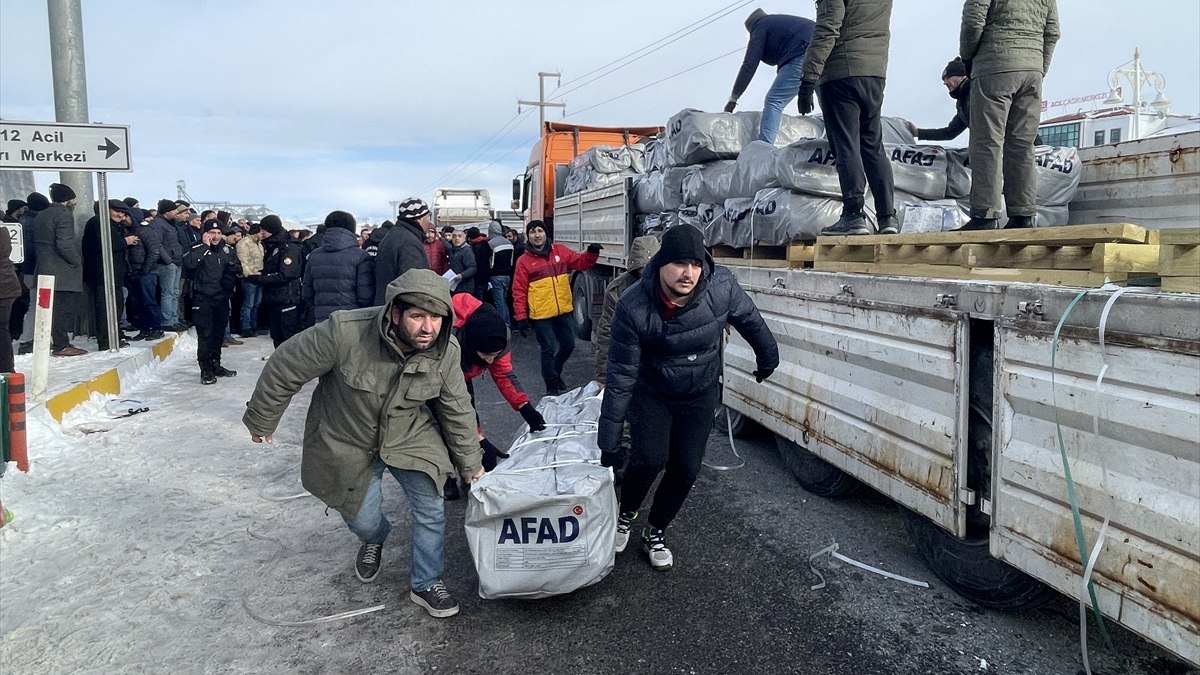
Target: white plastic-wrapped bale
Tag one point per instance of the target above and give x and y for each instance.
(660, 191)
(753, 171)
(657, 157)
(709, 219)
(781, 217)
(696, 137)
(587, 178)
(918, 169)
(648, 223)
(921, 215)
(809, 167)
(708, 182)
(791, 128)
(1058, 172)
(543, 522)
(958, 173)
(603, 165)
(736, 210)
(895, 132)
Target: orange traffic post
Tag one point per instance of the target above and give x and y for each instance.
(18, 450)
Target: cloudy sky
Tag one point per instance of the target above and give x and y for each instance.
(309, 106)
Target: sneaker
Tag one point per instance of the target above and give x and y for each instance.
(978, 224)
(436, 600)
(624, 525)
(221, 371)
(366, 565)
(889, 225)
(207, 377)
(154, 334)
(69, 350)
(25, 347)
(655, 546)
(1019, 222)
(848, 224)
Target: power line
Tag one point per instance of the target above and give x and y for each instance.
(496, 137)
(647, 86)
(524, 144)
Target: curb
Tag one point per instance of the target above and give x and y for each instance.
(108, 382)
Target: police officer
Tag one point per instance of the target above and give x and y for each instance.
(213, 268)
(280, 280)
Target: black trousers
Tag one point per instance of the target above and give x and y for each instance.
(670, 434)
(285, 321)
(852, 107)
(101, 314)
(6, 351)
(210, 316)
(65, 306)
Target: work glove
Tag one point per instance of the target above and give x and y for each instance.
(490, 454)
(730, 106)
(523, 326)
(610, 459)
(532, 417)
(762, 374)
(594, 248)
(804, 100)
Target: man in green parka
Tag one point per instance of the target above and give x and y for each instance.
(390, 396)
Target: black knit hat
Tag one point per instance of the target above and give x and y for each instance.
(341, 219)
(412, 209)
(956, 67)
(60, 193)
(118, 206)
(271, 224)
(535, 223)
(37, 202)
(130, 201)
(14, 204)
(682, 242)
(483, 333)
(165, 206)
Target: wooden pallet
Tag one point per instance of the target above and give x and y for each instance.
(791, 256)
(1179, 260)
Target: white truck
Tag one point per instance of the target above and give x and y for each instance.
(461, 206)
(950, 395)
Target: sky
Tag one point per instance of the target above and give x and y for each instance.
(310, 106)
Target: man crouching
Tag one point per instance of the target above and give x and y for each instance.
(384, 375)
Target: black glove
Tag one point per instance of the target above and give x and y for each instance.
(730, 106)
(523, 326)
(762, 374)
(804, 100)
(490, 454)
(532, 417)
(610, 459)
(594, 248)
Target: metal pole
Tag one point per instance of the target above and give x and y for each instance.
(109, 276)
(1137, 94)
(70, 89)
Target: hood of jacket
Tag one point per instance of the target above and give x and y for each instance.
(496, 229)
(337, 239)
(642, 250)
(423, 288)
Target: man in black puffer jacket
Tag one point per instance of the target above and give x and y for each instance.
(339, 274)
(280, 280)
(664, 365)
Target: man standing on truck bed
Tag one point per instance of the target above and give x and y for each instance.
(777, 40)
(542, 297)
(847, 61)
(1008, 46)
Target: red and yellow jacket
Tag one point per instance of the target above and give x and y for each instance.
(541, 283)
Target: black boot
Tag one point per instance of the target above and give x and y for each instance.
(221, 371)
(978, 224)
(206, 374)
(1019, 222)
(854, 223)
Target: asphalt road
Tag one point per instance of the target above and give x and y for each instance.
(739, 599)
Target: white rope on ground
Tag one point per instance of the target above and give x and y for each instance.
(732, 446)
(832, 550)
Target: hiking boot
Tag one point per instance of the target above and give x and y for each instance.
(889, 225)
(978, 224)
(1019, 222)
(207, 376)
(69, 350)
(154, 334)
(624, 525)
(450, 491)
(848, 224)
(221, 371)
(25, 347)
(366, 565)
(655, 546)
(436, 600)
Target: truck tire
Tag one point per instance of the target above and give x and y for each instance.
(581, 299)
(742, 426)
(813, 473)
(967, 567)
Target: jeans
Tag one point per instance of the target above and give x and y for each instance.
(782, 91)
(851, 106)
(556, 337)
(1005, 108)
(146, 315)
(251, 297)
(500, 287)
(168, 285)
(428, 521)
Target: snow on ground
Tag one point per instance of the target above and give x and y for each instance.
(137, 540)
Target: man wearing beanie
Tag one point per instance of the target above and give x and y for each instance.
(280, 280)
(778, 40)
(37, 202)
(542, 298)
(339, 274)
(16, 209)
(212, 265)
(401, 248)
(954, 76)
(664, 369)
(93, 269)
(59, 255)
(170, 263)
(397, 363)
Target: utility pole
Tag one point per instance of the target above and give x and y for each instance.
(70, 91)
(541, 103)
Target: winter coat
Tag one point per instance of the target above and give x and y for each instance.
(372, 400)
(962, 116)
(1014, 35)
(401, 250)
(640, 253)
(10, 284)
(339, 275)
(313, 243)
(501, 368)
(144, 256)
(171, 249)
(371, 245)
(435, 253)
(462, 262)
(483, 261)
(213, 270)
(502, 251)
(189, 236)
(680, 357)
(93, 271)
(280, 276)
(776, 40)
(28, 227)
(850, 40)
(541, 283)
(250, 255)
(58, 251)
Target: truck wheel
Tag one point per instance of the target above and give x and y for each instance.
(742, 426)
(813, 473)
(967, 567)
(581, 298)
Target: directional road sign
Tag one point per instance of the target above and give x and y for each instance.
(59, 146)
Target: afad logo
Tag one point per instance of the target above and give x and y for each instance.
(530, 530)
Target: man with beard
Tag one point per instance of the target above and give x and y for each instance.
(59, 255)
(403, 247)
(93, 270)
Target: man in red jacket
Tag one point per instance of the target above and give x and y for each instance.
(542, 297)
(435, 251)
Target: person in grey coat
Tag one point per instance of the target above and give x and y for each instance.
(403, 247)
(462, 263)
(59, 255)
(1007, 46)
